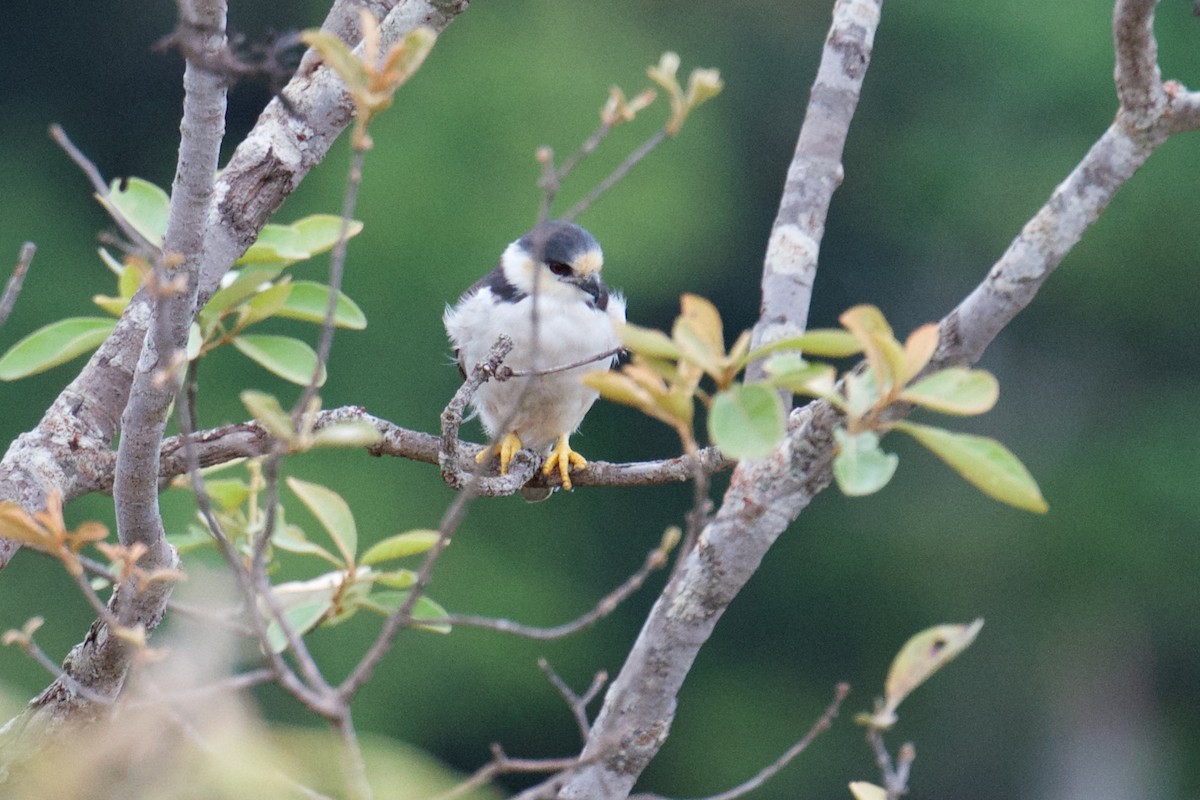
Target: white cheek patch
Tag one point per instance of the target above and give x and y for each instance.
(589, 263)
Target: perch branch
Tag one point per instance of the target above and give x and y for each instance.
(790, 266)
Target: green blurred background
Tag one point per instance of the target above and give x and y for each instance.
(1085, 678)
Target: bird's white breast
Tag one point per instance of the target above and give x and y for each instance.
(538, 408)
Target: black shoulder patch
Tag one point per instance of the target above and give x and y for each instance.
(501, 289)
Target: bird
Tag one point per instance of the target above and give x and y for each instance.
(547, 296)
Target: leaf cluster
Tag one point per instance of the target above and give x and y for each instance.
(258, 289)
(351, 582)
(747, 420)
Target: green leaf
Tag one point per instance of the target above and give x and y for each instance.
(401, 545)
(292, 539)
(309, 299)
(822, 342)
(140, 203)
(305, 238)
(193, 539)
(747, 421)
(865, 790)
(266, 304)
(648, 342)
(228, 493)
(265, 408)
(340, 58)
(426, 613)
(332, 512)
(352, 433)
(318, 233)
(395, 578)
(956, 390)
(301, 618)
(54, 344)
(790, 371)
(924, 654)
(984, 463)
(861, 467)
(290, 359)
(246, 283)
(884, 353)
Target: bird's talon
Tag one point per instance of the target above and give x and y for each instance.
(563, 459)
(507, 447)
(510, 445)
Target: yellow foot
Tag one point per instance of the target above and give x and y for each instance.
(564, 459)
(507, 446)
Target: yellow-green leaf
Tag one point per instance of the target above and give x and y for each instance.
(265, 408)
(920, 657)
(618, 387)
(863, 790)
(290, 359)
(747, 421)
(984, 463)
(301, 619)
(246, 283)
(821, 342)
(228, 493)
(861, 467)
(339, 57)
(704, 319)
(956, 390)
(918, 350)
(54, 344)
(308, 301)
(332, 512)
(884, 353)
(790, 371)
(265, 304)
(648, 342)
(318, 233)
(352, 433)
(402, 545)
(426, 614)
(140, 203)
(292, 539)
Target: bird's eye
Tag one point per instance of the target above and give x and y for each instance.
(559, 268)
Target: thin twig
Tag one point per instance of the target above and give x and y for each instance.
(895, 776)
(576, 702)
(97, 180)
(501, 764)
(337, 268)
(551, 180)
(654, 560)
(823, 723)
(13, 289)
(617, 174)
(535, 373)
(82, 161)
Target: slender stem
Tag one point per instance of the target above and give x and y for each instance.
(617, 174)
(337, 268)
(12, 289)
(654, 560)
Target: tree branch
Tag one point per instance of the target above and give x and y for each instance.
(765, 496)
(69, 449)
(102, 660)
(814, 174)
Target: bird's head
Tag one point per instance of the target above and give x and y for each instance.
(557, 259)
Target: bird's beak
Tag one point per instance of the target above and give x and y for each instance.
(593, 287)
